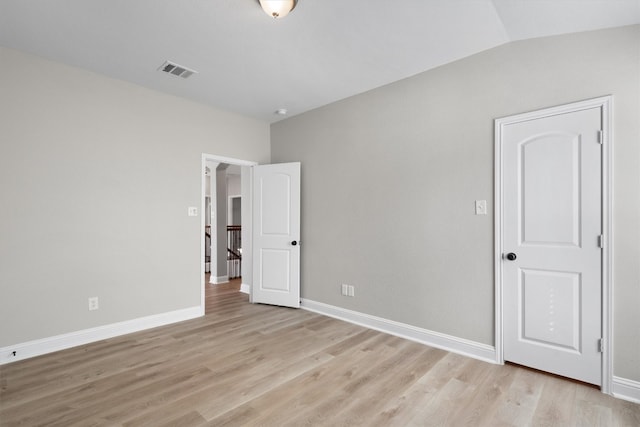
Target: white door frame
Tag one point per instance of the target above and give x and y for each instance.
(213, 260)
(218, 159)
(606, 104)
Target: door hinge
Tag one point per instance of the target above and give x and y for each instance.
(600, 137)
(601, 345)
(601, 241)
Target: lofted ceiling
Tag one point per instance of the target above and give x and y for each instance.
(324, 51)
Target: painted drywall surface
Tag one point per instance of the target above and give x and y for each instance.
(233, 185)
(221, 222)
(424, 146)
(95, 179)
(236, 211)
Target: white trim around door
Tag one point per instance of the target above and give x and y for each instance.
(605, 103)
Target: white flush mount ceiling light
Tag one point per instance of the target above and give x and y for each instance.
(278, 8)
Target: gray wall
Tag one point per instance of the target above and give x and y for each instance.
(95, 179)
(424, 147)
(221, 221)
(234, 187)
(236, 211)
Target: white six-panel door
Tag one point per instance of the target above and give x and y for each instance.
(276, 234)
(551, 265)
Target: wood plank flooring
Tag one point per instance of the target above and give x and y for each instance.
(256, 365)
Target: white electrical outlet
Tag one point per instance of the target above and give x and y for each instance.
(192, 211)
(93, 303)
(348, 290)
(481, 207)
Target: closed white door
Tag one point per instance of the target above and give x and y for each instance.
(552, 257)
(276, 234)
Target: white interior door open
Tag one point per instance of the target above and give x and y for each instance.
(551, 261)
(276, 234)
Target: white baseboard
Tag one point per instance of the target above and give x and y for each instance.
(73, 339)
(450, 343)
(625, 389)
(216, 280)
(245, 289)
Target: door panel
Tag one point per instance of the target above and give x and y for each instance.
(558, 326)
(275, 219)
(276, 231)
(274, 270)
(550, 199)
(552, 220)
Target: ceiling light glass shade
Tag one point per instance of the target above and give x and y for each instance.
(278, 8)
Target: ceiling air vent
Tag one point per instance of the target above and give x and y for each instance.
(176, 70)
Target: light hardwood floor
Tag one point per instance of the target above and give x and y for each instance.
(245, 364)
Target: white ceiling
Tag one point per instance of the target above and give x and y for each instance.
(251, 64)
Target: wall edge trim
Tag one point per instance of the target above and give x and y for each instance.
(625, 389)
(475, 350)
(216, 280)
(55, 343)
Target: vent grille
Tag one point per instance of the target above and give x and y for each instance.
(177, 70)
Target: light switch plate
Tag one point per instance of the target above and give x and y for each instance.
(481, 207)
(192, 211)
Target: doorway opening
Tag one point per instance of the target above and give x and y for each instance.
(225, 251)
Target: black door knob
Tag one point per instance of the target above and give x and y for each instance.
(511, 256)
(294, 243)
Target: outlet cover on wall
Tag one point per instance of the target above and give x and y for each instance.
(348, 290)
(192, 211)
(93, 303)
